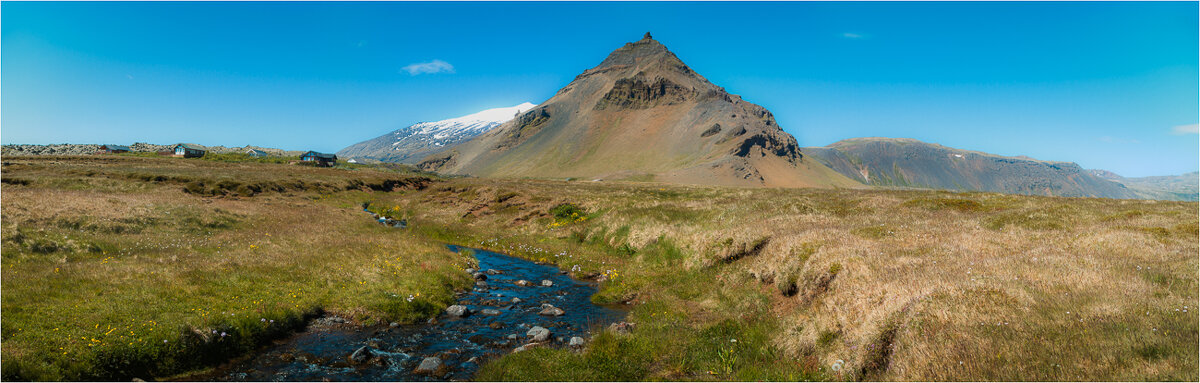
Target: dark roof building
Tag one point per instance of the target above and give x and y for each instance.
(321, 159)
(189, 150)
(107, 149)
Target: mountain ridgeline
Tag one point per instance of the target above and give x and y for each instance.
(912, 163)
(411, 144)
(641, 114)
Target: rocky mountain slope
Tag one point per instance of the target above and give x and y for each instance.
(87, 149)
(641, 114)
(412, 144)
(1183, 187)
(912, 163)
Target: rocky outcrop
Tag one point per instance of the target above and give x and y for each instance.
(634, 93)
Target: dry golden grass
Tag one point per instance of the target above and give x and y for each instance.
(900, 285)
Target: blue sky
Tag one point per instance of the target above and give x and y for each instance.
(1108, 85)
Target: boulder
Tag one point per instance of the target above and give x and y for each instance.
(458, 311)
(548, 310)
(479, 276)
(538, 333)
(621, 327)
(523, 283)
(362, 355)
(471, 271)
(428, 366)
(493, 271)
(576, 342)
(527, 346)
(516, 300)
(547, 283)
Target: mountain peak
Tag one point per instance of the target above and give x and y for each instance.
(636, 52)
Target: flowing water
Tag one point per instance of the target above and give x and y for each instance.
(322, 351)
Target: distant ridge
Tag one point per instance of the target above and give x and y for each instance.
(641, 114)
(87, 149)
(1183, 187)
(912, 163)
(413, 143)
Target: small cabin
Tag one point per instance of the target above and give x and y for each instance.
(112, 149)
(256, 153)
(189, 151)
(321, 159)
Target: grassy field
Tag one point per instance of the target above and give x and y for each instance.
(116, 267)
(139, 267)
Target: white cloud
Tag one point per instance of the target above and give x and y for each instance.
(435, 66)
(1186, 129)
(851, 35)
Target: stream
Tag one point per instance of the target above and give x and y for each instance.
(391, 353)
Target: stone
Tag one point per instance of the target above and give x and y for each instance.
(527, 346)
(538, 333)
(548, 310)
(471, 271)
(576, 342)
(428, 366)
(481, 284)
(493, 271)
(524, 283)
(513, 336)
(547, 283)
(374, 343)
(621, 327)
(479, 276)
(362, 355)
(496, 325)
(516, 300)
(489, 312)
(458, 311)
(395, 324)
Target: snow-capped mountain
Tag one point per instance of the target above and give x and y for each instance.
(412, 144)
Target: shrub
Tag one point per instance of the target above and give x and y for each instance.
(567, 211)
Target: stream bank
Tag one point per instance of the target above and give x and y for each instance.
(515, 305)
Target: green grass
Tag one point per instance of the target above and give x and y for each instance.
(84, 268)
(883, 280)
